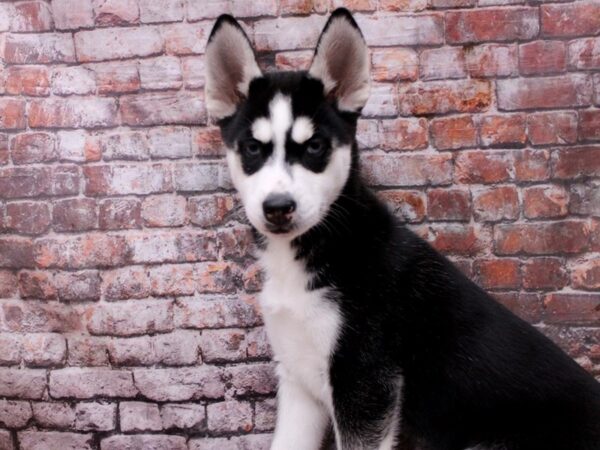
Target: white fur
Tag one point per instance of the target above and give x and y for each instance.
(302, 130)
(303, 328)
(262, 130)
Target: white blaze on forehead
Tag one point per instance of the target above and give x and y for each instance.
(302, 130)
(280, 110)
(262, 130)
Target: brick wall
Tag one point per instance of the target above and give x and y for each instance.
(128, 313)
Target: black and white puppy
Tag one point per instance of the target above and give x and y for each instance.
(372, 329)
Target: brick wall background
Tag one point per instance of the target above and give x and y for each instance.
(128, 316)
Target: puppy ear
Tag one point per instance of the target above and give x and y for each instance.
(230, 66)
(341, 61)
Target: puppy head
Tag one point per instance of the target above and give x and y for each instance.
(289, 135)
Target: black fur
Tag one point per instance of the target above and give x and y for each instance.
(472, 372)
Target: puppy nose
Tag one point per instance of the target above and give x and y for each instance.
(278, 208)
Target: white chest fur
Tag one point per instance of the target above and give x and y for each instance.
(302, 325)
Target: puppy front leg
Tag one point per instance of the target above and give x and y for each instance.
(301, 420)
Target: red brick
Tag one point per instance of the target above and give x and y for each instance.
(595, 235)
(492, 24)
(126, 282)
(153, 11)
(33, 148)
(174, 247)
(527, 306)
(542, 57)
(393, 64)
(497, 273)
(186, 38)
(27, 80)
(498, 131)
(442, 63)
(483, 167)
(81, 251)
(585, 198)
(77, 146)
(70, 80)
(382, 101)
(252, 379)
(38, 285)
(116, 77)
(494, 204)
(84, 383)
(170, 142)
(27, 217)
(229, 416)
(532, 165)
(544, 273)
(407, 170)
(139, 416)
(206, 141)
(15, 413)
(223, 345)
(458, 239)
(448, 204)
(403, 134)
(439, 97)
(8, 284)
(77, 214)
(32, 16)
(116, 12)
(124, 145)
(164, 210)
(577, 162)
(16, 253)
(589, 125)
(451, 133)
(217, 277)
(552, 128)
(574, 309)
(408, 206)
(545, 201)
(196, 177)
(4, 155)
(576, 19)
(542, 238)
(491, 60)
(443, 4)
(143, 441)
(117, 43)
(172, 280)
(12, 113)
(430, 26)
(265, 415)
(357, 5)
(584, 54)
(163, 72)
(19, 383)
(39, 48)
(118, 214)
(18, 182)
(222, 312)
(180, 383)
(78, 286)
(200, 9)
(549, 92)
(70, 16)
(162, 109)
(293, 60)
(296, 6)
(127, 179)
(210, 210)
(130, 318)
(81, 112)
(35, 317)
(585, 274)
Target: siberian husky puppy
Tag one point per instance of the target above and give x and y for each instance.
(373, 330)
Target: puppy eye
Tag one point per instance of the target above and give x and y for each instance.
(251, 148)
(315, 147)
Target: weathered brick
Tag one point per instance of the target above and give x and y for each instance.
(442, 63)
(294, 6)
(391, 64)
(15, 413)
(584, 54)
(171, 247)
(16, 253)
(235, 242)
(202, 313)
(70, 80)
(40, 440)
(545, 201)
(574, 309)
(186, 38)
(95, 416)
(27, 80)
(12, 113)
(163, 108)
(585, 274)
(105, 44)
(492, 204)
(497, 273)
(170, 142)
(576, 162)
(440, 97)
(8, 283)
(293, 60)
(193, 71)
(492, 60)
(127, 179)
(458, 239)
(403, 134)
(39, 316)
(164, 210)
(139, 416)
(82, 112)
(541, 238)
(552, 128)
(68, 16)
(585, 198)
(528, 306)
(163, 72)
(89, 351)
(223, 345)
(78, 286)
(126, 282)
(120, 213)
(116, 12)
(81, 251)
(37, 284)
(183, 416)
(196, 177)
(491, 25)
(76, 146)
(27, 217)
(549, 92)
(193, 383)
(448, 204)
(28, 148)
(542, 57)
(77, 214)
(452, 133)
(251, 441)
(532, 165)
(210, 210)
(589, 125)
(483, 167)
(408, 206)
(251, 379)
(32, 16)
(265, 415)
(229, 416)
(502, 130)
(22, 383)
(152, 11)
(143, 442)
(424, 29)
(130, 318)
(382, 101)
(39, 48)
(407, 170)
(53, 414)
(207, 142)
(116, 77)
(83, 383)
(576, 19)
(44, 349)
